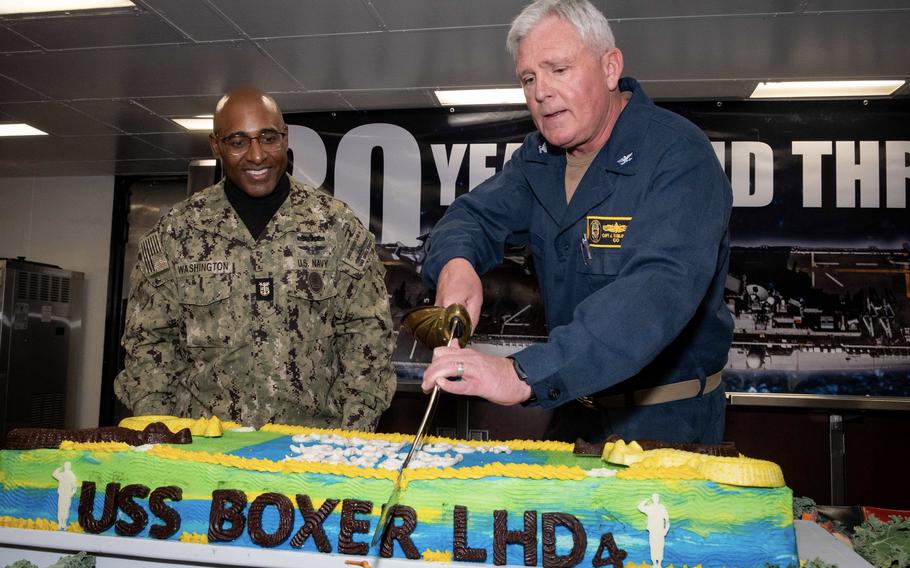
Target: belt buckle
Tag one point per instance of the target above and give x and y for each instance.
(587, 402)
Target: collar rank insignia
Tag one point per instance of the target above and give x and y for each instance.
(542, 149)
(264, 289)
(625, 159)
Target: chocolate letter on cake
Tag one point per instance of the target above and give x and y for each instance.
(549, 521)
(135, 512)
(617, 555)
(312, 523)
(170, 516)
(285, 519)
(460, 538)
(227, 507)
(401, 533)
(87, 507)
(350, 525)
(502, 536)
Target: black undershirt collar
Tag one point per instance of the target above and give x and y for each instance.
(256, 212)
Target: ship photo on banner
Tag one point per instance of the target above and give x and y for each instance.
(819, 281)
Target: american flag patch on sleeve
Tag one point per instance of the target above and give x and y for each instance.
(151, 256)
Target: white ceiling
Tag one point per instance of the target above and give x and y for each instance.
(104, 85)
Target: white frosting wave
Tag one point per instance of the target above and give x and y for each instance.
(384, 454)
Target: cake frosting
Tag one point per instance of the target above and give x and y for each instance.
(521, 503)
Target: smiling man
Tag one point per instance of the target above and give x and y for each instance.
(258, 299)
(625, 209)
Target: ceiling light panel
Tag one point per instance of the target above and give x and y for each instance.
(8, 7)
(461, 97)
(819, 89)
(20, 130)
(201, 122)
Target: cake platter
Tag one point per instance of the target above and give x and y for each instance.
(44, 548)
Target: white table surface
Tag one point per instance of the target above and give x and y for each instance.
(45, 547)
(813, 542)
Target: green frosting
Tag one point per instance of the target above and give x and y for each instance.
(80, 560)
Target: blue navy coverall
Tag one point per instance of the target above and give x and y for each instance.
(632, 270)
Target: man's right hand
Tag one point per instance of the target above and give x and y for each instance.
(458, 283)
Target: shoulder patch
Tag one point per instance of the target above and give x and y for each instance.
(151, 255)
(358, 246)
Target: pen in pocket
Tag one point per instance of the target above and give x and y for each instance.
(585, 250)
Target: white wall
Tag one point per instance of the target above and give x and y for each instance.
(67, 221)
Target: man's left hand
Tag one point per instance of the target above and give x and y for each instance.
(487, 376)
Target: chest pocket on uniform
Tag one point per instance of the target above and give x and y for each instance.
(311, 293)
(210, 310)
(600, 270)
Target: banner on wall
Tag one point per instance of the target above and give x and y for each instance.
(819, 284)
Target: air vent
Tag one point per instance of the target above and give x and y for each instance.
(64, 290)
(37, 287)
(26, 286)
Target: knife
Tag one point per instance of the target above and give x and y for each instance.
(395, 496)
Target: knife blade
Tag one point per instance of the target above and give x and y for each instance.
(395, 496)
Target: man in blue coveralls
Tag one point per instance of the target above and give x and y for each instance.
(625, 208)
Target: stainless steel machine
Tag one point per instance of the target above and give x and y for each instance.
(40, 334)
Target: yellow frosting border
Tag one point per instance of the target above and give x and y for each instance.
(95, 446)
(175, 423)
(290, 466)
(653, 464)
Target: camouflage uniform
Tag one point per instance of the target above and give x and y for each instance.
(292, 328)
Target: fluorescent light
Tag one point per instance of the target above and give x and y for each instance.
(199, 122)
(797, 89)
(39, 6)
(20, 130)
(481, 97)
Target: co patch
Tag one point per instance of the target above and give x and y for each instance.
(606, 232)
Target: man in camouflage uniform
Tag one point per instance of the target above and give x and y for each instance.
(290, 327)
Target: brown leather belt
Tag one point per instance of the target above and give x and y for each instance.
(654, 395)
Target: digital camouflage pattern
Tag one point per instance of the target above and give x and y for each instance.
(293, 328)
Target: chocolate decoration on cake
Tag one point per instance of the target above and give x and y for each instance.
(126, 504)
(585, 448)
(50, 438)
(285, 519)
(87, 507)
(724, 449)
(502, 536)
(549, 522)
(460, 548)
(227, 507)
(617, 555)
(312, 523)
(350, 525)
(159, 433)
(170, 516)
(401, 533)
